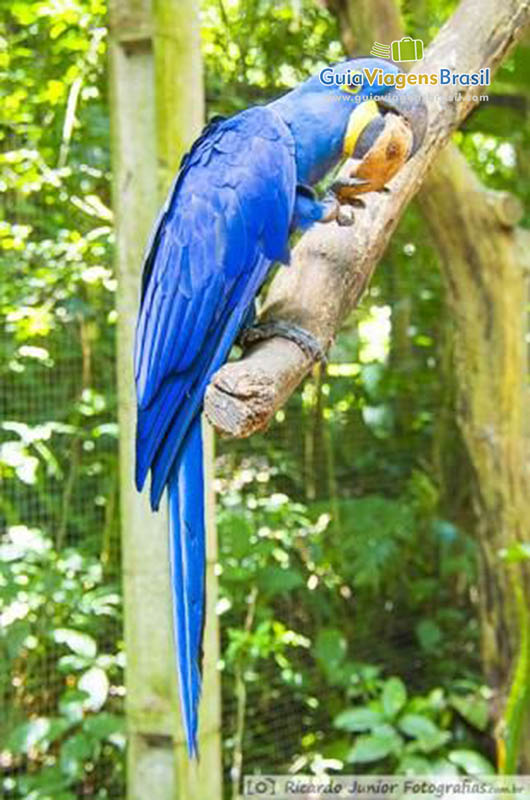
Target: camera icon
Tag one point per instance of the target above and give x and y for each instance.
(259, 786)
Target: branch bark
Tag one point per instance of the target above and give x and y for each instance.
(331, 266)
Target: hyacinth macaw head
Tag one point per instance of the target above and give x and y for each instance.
(340, 112)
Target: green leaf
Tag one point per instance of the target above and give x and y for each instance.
(37, 733)
(516, 553)
(95, 684)
(103, 725)
(15, 637)
(72, 663)
(417, 726)
(376, 526)
(441, 766)
(473, 708)
(74, 753)
(358, 719)
(80, 643)
(72, 704)
(428, 744)
(471, 762)
(330, 648)
(47, 784)
(374, 747)
(25, 13)
(429, 635)
(277, 580)
(427, 735)
(236, 532)
(413, 765)
(394, 697)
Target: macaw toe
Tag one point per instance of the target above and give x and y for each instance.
(345, 216)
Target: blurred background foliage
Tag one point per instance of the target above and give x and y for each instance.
(347, 556)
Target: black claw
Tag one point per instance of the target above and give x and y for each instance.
(346, 183)
(306, 191)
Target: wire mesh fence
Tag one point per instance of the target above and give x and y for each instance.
(345, 551)
(347, 563)
(283, 577)
(61, 647)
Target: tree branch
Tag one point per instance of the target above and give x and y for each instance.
(331, 266)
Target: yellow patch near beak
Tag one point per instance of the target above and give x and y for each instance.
(359, 119)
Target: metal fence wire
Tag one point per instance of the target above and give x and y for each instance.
(286, 500)
(344, 531)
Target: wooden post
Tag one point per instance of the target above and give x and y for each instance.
(157, 109)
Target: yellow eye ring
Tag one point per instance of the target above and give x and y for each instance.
(353, 88)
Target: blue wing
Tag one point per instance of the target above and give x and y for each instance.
(227, 218)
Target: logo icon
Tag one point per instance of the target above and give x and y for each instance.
(380, 50)
(405, 49)
(259, 785)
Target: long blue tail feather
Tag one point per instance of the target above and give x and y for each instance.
(187, 549)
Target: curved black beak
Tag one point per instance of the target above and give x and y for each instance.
(369, 121)
(409, 103)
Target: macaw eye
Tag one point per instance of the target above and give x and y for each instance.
(355, 85)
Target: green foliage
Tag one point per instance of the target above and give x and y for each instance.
(241, 42)
(56, 609)
(401, 734)
(58, 432)
(289, 572)
(344, 532)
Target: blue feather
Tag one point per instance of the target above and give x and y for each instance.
(187, 553)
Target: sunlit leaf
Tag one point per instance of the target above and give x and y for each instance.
(375, 746)
(95, 684)
(471, 763)
(394, 696)
(473, 708)
(358, 719)
(80, 643)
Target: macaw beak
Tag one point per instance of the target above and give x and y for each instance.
(367, 120)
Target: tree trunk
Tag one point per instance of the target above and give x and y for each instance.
(484, 260)
(157, 106)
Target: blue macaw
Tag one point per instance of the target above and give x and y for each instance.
(240, 191)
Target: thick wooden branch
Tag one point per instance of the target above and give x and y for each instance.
(331, 266)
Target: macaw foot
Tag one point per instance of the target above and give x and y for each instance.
(309, 210)
(343, 214)
(287, 330)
